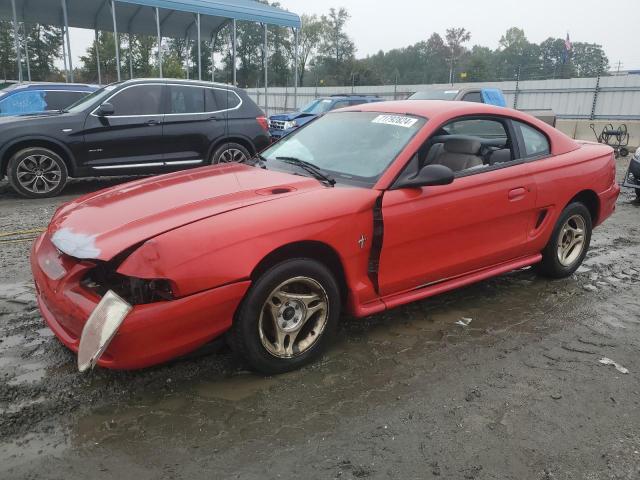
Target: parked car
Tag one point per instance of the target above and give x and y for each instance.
(26, 98)
(133, 127)
(363, 210)
(490, 96)
(632, 177)
(285, 123)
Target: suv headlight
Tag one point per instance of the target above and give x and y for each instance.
(290, 124)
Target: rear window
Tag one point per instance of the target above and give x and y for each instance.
(186, 99)
(58, 100)
(535, 142)
(220, 99)
(434, 95)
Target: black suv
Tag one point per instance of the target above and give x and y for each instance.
(134, 127)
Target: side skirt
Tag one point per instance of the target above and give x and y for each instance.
(426, 291)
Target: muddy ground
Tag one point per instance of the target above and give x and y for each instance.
(409, 394)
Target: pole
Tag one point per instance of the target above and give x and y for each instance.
(115, 36)
(295, 60)
(233, 50)
(199, 52)
(213, 62)
(26, 50)
(97, 47)
(16, 40)
(64, 59)
(266, 78)
(66, 27)
(130, 57)
(159, 41)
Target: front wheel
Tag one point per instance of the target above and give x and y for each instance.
(37, 173)
(569, 242)
(288, 317)
(229, 152)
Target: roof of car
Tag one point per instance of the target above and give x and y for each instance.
(50, 86)
(177, 80)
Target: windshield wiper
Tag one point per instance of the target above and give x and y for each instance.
(310, 168)
(257, 160)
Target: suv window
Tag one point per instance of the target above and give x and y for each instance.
(220, 99)
(57, 100)
(23, 102)
(186, 99)
(535, 142)
(472, 97)
(340, 104)
(138, 100)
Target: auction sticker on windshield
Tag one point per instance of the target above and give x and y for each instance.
(397, 120)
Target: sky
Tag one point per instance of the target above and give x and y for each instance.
(378, 25)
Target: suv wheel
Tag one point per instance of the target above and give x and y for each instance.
(230, 152)
(37, 173)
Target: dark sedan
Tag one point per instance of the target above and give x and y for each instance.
(130, 128)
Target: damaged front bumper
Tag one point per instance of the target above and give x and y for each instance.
(149, 333)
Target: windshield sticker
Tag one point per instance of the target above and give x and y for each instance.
(397, 120)
(448, 92)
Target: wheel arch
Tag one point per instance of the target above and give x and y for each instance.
(589, 199)
(245, 142)
(314, 250)
(35, 142)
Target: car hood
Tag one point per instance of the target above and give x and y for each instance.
(103, 224)
(293, 116)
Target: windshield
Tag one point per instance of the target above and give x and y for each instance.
(85, 102)
(434, 95)
(318, 106)
(352, 147)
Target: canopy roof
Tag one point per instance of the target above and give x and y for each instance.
(177, 17)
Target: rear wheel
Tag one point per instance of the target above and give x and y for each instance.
(569, 242)
(37, 173)
(288, 317)
(229, 152)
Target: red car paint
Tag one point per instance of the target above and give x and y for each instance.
(207, 230)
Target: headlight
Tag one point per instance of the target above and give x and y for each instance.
(290, 124)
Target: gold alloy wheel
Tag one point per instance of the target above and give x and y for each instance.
(293, 317)
(571, 241)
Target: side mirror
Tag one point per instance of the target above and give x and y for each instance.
(428, 176)
(106, 109)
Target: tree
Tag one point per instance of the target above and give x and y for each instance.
(44, 46)
(517, 57)
(308, 40)
(336, 48)
(455, 38)
(7, 51)
(88, 71)
(589, 59)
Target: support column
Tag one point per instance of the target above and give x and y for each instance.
(130, 56)
(115, 36)
(199, 52)
(159, 41)
(26, 50)
(213, 49)
(97, 47)
(233, 49)
(64, 59)
(266, 76)
(16, 40)
(66, 28)
(295, 60)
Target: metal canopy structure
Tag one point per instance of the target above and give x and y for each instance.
(193, 20)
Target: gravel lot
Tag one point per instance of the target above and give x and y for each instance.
(519, 393)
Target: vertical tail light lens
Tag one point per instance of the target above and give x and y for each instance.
(262, 121)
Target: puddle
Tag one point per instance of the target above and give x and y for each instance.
(235, 388)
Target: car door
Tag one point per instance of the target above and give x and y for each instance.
(130, 138)
(442, 232)
(192, 123)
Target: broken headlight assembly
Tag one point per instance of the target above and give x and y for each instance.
(136, 291)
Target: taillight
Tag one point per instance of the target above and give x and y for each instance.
(262, 121)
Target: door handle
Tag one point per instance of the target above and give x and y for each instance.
(517, 193)
(153, 122)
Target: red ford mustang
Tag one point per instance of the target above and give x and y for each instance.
(360, 211)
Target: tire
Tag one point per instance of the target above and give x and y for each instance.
(49, 173)
(287, 290)
(576, 217)
(229, 152)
